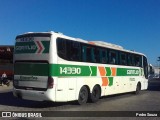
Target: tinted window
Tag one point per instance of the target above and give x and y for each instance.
(130, 60)
(96, 55)
(61, 48)
(103, 56)
(113, 59)
(123, 60)
(73, 51)
(76, 51)
(138, 61)
(69, 50)
(87, 53)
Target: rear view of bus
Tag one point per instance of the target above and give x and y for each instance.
(31, 67)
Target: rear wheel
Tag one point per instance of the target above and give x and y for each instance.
(83, 95)
(96, 93)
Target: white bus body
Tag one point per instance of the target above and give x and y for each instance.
(50, 66)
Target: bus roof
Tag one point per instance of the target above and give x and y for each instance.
(97, 43)
(100, 43)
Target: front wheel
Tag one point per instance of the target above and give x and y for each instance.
(138, 88)
(83, 95)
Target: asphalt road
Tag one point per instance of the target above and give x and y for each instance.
(148, 100)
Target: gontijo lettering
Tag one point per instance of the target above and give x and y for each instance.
(129, 72)
(38, 46)
(31, 47)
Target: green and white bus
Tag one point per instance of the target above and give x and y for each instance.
(50, 66)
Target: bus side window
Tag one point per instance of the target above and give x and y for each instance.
(75, 52)
(123, 60)
(130, 60)
(61, 48)
(96, 55)
(103, 56)
(87, 53)
(138, 61)
(112, 57)
(84, 53)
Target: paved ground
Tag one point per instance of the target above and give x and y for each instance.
(5, 88)
(146, 101)
(154, 84)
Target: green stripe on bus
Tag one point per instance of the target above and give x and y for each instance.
(94, 70)
(46, 46)
(128, 72)
(69, 70)
(110, 81)
(108, 71)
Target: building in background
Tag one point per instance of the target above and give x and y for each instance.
(6, 60)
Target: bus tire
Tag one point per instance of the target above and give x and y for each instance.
(138, 89)
(96, 93)
(83, 95)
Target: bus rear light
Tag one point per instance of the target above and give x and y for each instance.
(50, 82)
